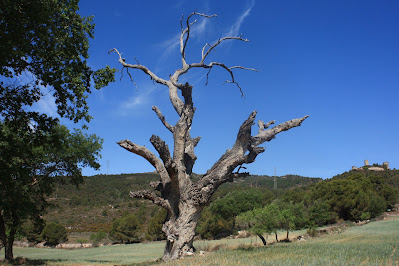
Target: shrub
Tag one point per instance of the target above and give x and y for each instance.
(33, 230)
(312, 231)
(97, 237)
(54, 234)
(126, 229)
(154, 229)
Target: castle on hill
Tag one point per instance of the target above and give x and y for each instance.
(372, 168)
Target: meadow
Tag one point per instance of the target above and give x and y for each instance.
(375, 243)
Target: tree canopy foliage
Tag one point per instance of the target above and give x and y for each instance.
(126, 229)
(54, 234)
(43, 49)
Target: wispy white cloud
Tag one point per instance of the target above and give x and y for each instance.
(136, 102)
(234, 30)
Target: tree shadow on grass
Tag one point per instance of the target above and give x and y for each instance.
(26, 261)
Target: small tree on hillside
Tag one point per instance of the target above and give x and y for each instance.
(178, 194)
(54, 234)
(126, 229)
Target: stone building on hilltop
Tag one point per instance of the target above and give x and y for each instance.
(385, 165)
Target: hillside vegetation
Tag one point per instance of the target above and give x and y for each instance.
(103, 198)
(102, 205)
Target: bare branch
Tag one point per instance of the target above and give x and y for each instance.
(221, 171)
(141, 67)
(263, 126)
(242, 93)
(219, 42)
(131, 78)
(145, 194)
(203, 49)
(239, 175)
(163, 151)
(149, 156)
(162, 118)
(175, 99)
(207, 76)
(186, 31)
(244, 68)
(270, 134)
(228, 69)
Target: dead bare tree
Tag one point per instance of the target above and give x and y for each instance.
(178, 194)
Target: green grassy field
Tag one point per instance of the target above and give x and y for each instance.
(375, 243)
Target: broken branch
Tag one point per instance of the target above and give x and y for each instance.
(145, 194)
(162, 118)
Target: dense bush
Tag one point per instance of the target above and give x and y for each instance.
(355, 197)
(218, 220)
(126, 229)
(32, 230)
(54, 234)
(154, 229)
(98, 236)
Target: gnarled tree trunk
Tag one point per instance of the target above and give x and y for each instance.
(183, 199)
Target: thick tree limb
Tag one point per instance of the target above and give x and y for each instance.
(270, 134)
(244, 151)
(163, 150)
(149, 156)
(145, 194)
(263, 126)
(162, 118)
(189, 155)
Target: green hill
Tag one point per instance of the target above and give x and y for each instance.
(102, 198)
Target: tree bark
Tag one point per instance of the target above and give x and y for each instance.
(262, 238)
(183, 199)
(3, 235)
(8, 247)
(180, 232)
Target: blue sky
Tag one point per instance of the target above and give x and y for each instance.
(336, 61)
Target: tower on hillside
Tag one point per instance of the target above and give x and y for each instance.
(275, 179)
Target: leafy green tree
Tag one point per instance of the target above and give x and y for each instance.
(219, 219)
(154, 229)
(318, 213)
(30, 161)
(286, 220)
(47, 42)
(98, 236)
(54, 234)
(43, 49)
(352, 196)
(127, 229)
(33, 230)
(213, 225)
(261, 220)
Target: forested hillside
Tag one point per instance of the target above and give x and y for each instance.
(102, 204)
(102, 198)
